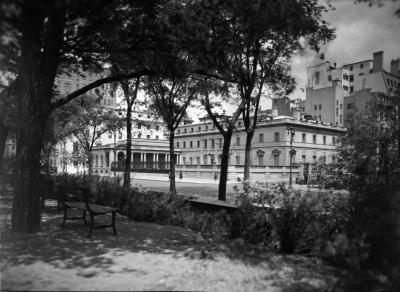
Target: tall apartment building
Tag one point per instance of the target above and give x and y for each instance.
(330, 88)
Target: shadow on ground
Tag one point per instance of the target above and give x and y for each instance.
(70, 248)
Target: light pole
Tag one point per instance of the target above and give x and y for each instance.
(291, 132)
(115, 153)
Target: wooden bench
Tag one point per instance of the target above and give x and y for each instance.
(79, 198)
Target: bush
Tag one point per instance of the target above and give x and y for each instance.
(290, 220)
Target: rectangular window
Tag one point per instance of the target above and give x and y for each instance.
(303, 138)
(351, 89)
(198, 143)
(238, 140)
(351, 68)
(314, 158)
(205, 144)
(303, 158)
(198, 160)
(341, 106)
(345, 87)
(101, 160)
(333, 140)
(361, 65)
(329, 78)
(261, 138)
(185, 130)
(341, 119)
(320, 106)
(184, 144)
(314, 139)
(276, 159)
(277, 137)
(212, 143)
(345, 77)
(351, 78)
(315, 107)
(191, 160)
(199, 129)
(184, 160)
(237, 160)
(324, 140)
(148, 136)
(316, 78)
(192, 130)
(191, 144)
(157, 137)
(220, 143)
(177, 144)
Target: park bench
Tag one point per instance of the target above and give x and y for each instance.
(79, 199)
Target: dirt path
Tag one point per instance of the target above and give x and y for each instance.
(146, 257)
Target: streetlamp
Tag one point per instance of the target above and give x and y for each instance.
(115, 153)
(291, 132)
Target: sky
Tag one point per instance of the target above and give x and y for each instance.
(360, 31)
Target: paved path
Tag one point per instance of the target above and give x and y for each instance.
(146, 256)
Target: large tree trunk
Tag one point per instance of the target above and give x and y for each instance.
(224, 166)
(172, 186)
(127, 171)
(247, 162)
(3, 138)
(37, 69)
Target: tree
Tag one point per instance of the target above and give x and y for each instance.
(87, 123)
(51, 36)
(170, 97)
(249, 50)
(371, 154)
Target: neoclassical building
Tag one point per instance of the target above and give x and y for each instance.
(200, 146)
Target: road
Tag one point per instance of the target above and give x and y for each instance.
(186, 188)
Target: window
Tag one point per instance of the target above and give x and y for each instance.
(276, 136)
(333, 141)
(198, 143)
(191, 160)
(261, 138)
(205, 144)
(185, 130)
(345, 77)
(109, 134)
(179, 131)
(314, 139)
(361, 74)
(341, 119)
(324, 140)
(337, 103)
(351, 68)
(351, 78)
(303, 138)
(184, 160)
(329, 78)
(303, 158)
(337, 111)
(199, 128)
(191, 144)
(220, 142)
(157, 137)
(314, 158)
(316, 74)
(237, 160)
(184, 144)
(97, 161)
(148, 136)
(206, 128)
(341, 106)
(276, 159)
(139, 135)
(204, 159)
(157, 127)
(351, 89)
(320, 106)
(345, 87)
(139, 126)
(212, 143)
(192, 129)
(239, 124)
(177, 144)
(237, 140)
(107, 159)
(361, 65)
(315, 107)
(120, 135)
(198, 160)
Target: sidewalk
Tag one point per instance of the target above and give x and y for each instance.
(164, 177)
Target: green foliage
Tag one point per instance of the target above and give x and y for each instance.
(291, 221)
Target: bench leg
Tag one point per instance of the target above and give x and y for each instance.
(84, 217)
(65, 216)
(113, 223)
(91, 225)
